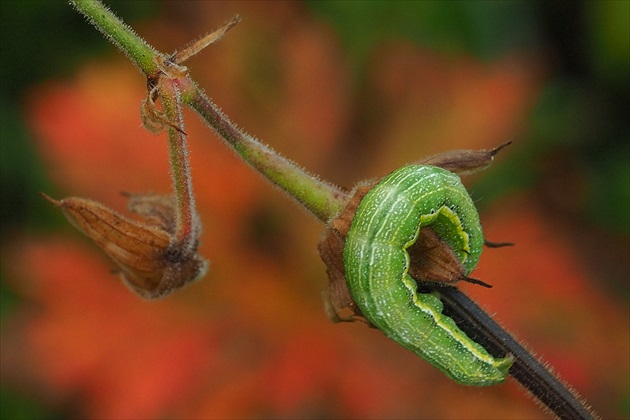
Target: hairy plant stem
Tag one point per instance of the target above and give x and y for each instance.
(185, 229)
(322, 199)
(325, 201)
(558, 398)
(138, 51)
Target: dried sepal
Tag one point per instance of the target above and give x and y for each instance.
(153, 118)
(431, 260)
(155, 209)
(199, 44)
(171, 71)
(337, 295)
(150, 262)
(464, 161)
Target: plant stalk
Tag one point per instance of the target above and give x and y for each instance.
(185, 229)
(320, 198)
(120, 34)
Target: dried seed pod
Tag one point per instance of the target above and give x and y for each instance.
(150, 262)
(155, 209)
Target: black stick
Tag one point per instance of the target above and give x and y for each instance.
(557, 396)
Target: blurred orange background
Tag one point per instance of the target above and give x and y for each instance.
(348, 94)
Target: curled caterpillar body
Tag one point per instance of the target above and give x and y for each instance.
(376, 261)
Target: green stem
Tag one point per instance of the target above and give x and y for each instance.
(137, 49)
(320, 198)
(185, 229)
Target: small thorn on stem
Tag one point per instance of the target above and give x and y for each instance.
(500, 147)
(476, 281)
(497, 244)
(51, 200)
(196, 46)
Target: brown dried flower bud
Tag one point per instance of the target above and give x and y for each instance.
(464, 161)
(151, 263)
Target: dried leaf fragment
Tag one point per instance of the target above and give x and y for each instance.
(151, 263)
(464, 161)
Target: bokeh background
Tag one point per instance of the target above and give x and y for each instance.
(349, 90)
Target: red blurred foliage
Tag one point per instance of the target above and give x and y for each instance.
(88, 338)
(545, 296)
(251, 339)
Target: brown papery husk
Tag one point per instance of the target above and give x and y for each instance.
(149, 261)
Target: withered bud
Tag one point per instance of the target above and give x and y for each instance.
(337, 296)
(330, 247)
(465, 161)
(199, 44)
(150, 261)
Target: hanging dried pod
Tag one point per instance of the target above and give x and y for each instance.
(150, 261)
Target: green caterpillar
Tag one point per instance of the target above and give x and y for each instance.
(376, 262)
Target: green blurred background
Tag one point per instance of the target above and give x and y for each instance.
(573, 152)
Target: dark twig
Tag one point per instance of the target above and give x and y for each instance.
(557, 396)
